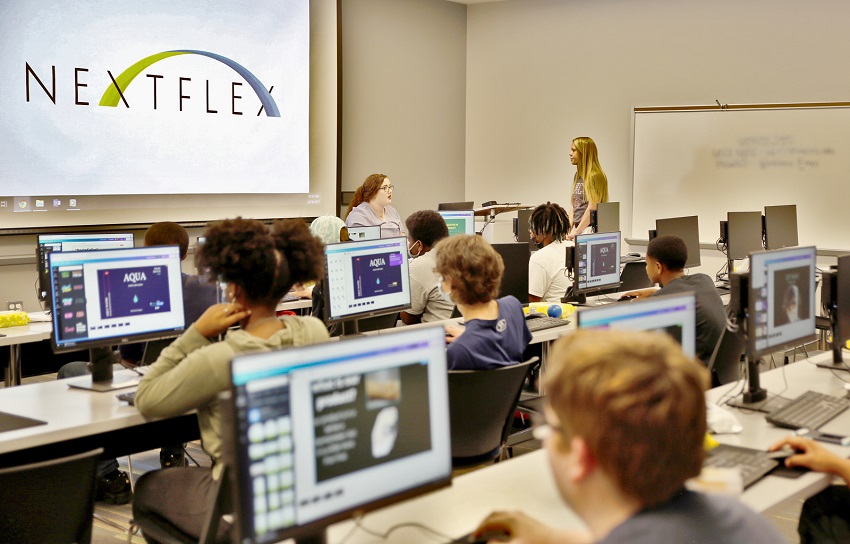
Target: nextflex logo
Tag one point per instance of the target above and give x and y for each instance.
(115, 90)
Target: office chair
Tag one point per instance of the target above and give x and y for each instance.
(633, 276)
(49, 501)
(725, 363)
(481, 410)
(163, 531)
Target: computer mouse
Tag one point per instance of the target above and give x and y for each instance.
(499, 535)
(634, 255)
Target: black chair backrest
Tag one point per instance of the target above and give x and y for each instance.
(725, 364)
(633, 276)
(50, 501)
(481, 407)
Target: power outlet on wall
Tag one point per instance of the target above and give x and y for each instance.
(15, 305)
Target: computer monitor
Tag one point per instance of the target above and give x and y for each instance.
(515, 279)
(781, 300)
(607, 217)
(743, 234)
(596, 262)
(48, 243)
(358, 234)
(780, 226)
(522, 231)
(366, 279)
(835, 299)
(318, 433)
(108, 297)
(455, 205)
(459, 221)
(671, 314)
(686, 228)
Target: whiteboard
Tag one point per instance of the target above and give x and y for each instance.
(712, 161)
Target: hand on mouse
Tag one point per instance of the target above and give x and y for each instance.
(815, 456)
(520, 528)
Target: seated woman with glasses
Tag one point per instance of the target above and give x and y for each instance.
(495, 334)
(371, 206)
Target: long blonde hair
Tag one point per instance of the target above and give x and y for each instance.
(595, 180)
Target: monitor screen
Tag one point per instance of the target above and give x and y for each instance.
(780, 226)
(73, 242)
(115, 296)
(743, 234)
(459, 221)
(515, 257)
(455, 205)
(322, 431)
(672, 314)
(781, 299)
(686, 228)
(608, 217)
(597, 261)
(842, 300)
(358, 234)
(366, 278)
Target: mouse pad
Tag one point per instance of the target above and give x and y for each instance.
(11, 422)
(785, 472)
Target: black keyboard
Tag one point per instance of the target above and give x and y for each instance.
(810, 410)
(755, 464)
(128, 397)
(541, 322)
(290, 298)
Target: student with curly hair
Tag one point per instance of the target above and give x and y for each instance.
(259, 266)
(495, 333)
(547, 269)
(371, 206)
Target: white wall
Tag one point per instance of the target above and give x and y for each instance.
(404, 98)
(540, 72)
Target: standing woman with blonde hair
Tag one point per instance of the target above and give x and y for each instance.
(590, 184)
(371, 206)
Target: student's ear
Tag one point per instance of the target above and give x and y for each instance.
(582, 461)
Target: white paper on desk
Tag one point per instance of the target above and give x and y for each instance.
(39, 317)
(721, 420)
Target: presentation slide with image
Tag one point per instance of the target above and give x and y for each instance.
(791, 295)
(366, 419)
(367, 276)
(133, 291)
(376, 274)
(604, 259)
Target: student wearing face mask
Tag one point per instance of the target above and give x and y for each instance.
(495, 334)
(547, 279)
(424, 229)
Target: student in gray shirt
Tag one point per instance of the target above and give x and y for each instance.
(623, 427)
(424, 229)
(665, 265)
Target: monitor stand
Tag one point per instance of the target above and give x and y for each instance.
(756, 397)
(102, 379)
(837, 355)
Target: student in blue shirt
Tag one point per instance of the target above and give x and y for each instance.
(495, 334)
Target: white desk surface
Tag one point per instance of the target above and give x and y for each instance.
(32, 332)
(524, 483)
(757, 433)
(295, 305)
(69, 413)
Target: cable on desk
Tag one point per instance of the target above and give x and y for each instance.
(385, 535)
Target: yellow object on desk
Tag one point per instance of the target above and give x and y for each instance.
(13, 319)
(543, 308)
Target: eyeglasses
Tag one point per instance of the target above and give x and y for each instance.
(387, 188)
(542, 429)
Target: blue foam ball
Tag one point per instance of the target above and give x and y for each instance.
(554, 310)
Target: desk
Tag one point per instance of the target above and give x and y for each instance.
(524, 483)
(14, 337)
(80, 420)
(757, 433)
(295, 305)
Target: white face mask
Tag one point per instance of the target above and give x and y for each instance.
(447, 296)
(410, 250)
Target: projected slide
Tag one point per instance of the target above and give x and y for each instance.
(133, 291)
(377, 274)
